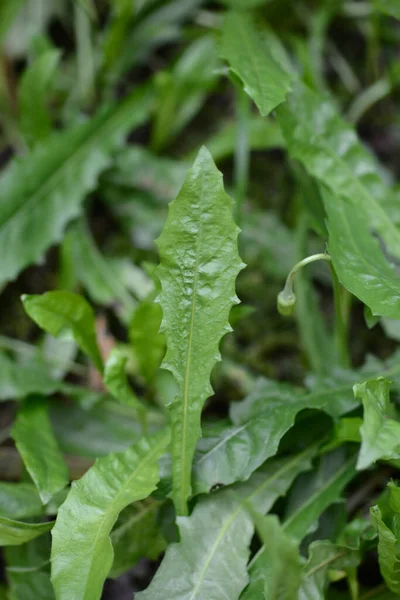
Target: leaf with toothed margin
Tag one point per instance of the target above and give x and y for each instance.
(199, 262)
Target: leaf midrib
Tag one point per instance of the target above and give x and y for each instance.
(114, 504)
(234, 514)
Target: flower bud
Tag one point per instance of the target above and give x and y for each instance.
(286, 303)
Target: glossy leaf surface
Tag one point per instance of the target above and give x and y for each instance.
(199, 262)
(14, 533)
(42, 193)
(56, 312)
(82, 553)
(210, 559)
(251, 59)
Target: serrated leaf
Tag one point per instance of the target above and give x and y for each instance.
(14, 533)
(250, 58)
(42, 192)
(323, 557)
(385, 519)
(210, 559)
(280, 576)
(82, 552)
(136, 534)
(146, 339)
(364, 241)
(58, 311)
(380, 434)
(35, 442)
(260, 422)
(35, 121)
(199, 262)
(28, 570)
(19, 501)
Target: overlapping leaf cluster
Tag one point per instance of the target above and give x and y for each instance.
(151, 418)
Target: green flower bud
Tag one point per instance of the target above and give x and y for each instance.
(286, 303)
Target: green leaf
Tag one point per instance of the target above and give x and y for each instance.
(364, 241)
(146, 339)
(41, 193)
(13, 533)
(28, 570)
(210, 559)
(251, 59)
(8, 11)
(116, 380)
(136, 535)
(18, 380)
(199, 263)
(314, 492)
(58, 311)
(379, 432)
(82, 552)
(35, 441)
(388, 7)
(95, 271)
(323, 557)
(385, 519)
(281, 565)
(19, 501)
(35, 121)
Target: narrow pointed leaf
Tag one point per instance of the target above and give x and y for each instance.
(14, 533)
(280, 576)
(199, 263)
(137, 534)
(35, 441)
(82, 552)
(364, 241)
(43, 192)
(56, 312)
(34, 114)
(210, 559)
(250, 58)
(380, 434)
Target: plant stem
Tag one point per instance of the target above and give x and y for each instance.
(341, 323)
(242, 151)
(288, 289)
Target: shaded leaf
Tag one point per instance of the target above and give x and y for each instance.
(41, 193)
(116, 381)
(389, 7)
(82, 553)
(13, 533)
(146, 339)
(199, 263)
(323, 557)
(384, 517)
(28, 570)
(363, 239)
(35, 121)
(58, 311)
(35, 441)
(19, 501)
(210, 559)
(136, 534)
(280, 575)
(379, 433)
(250, 58)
